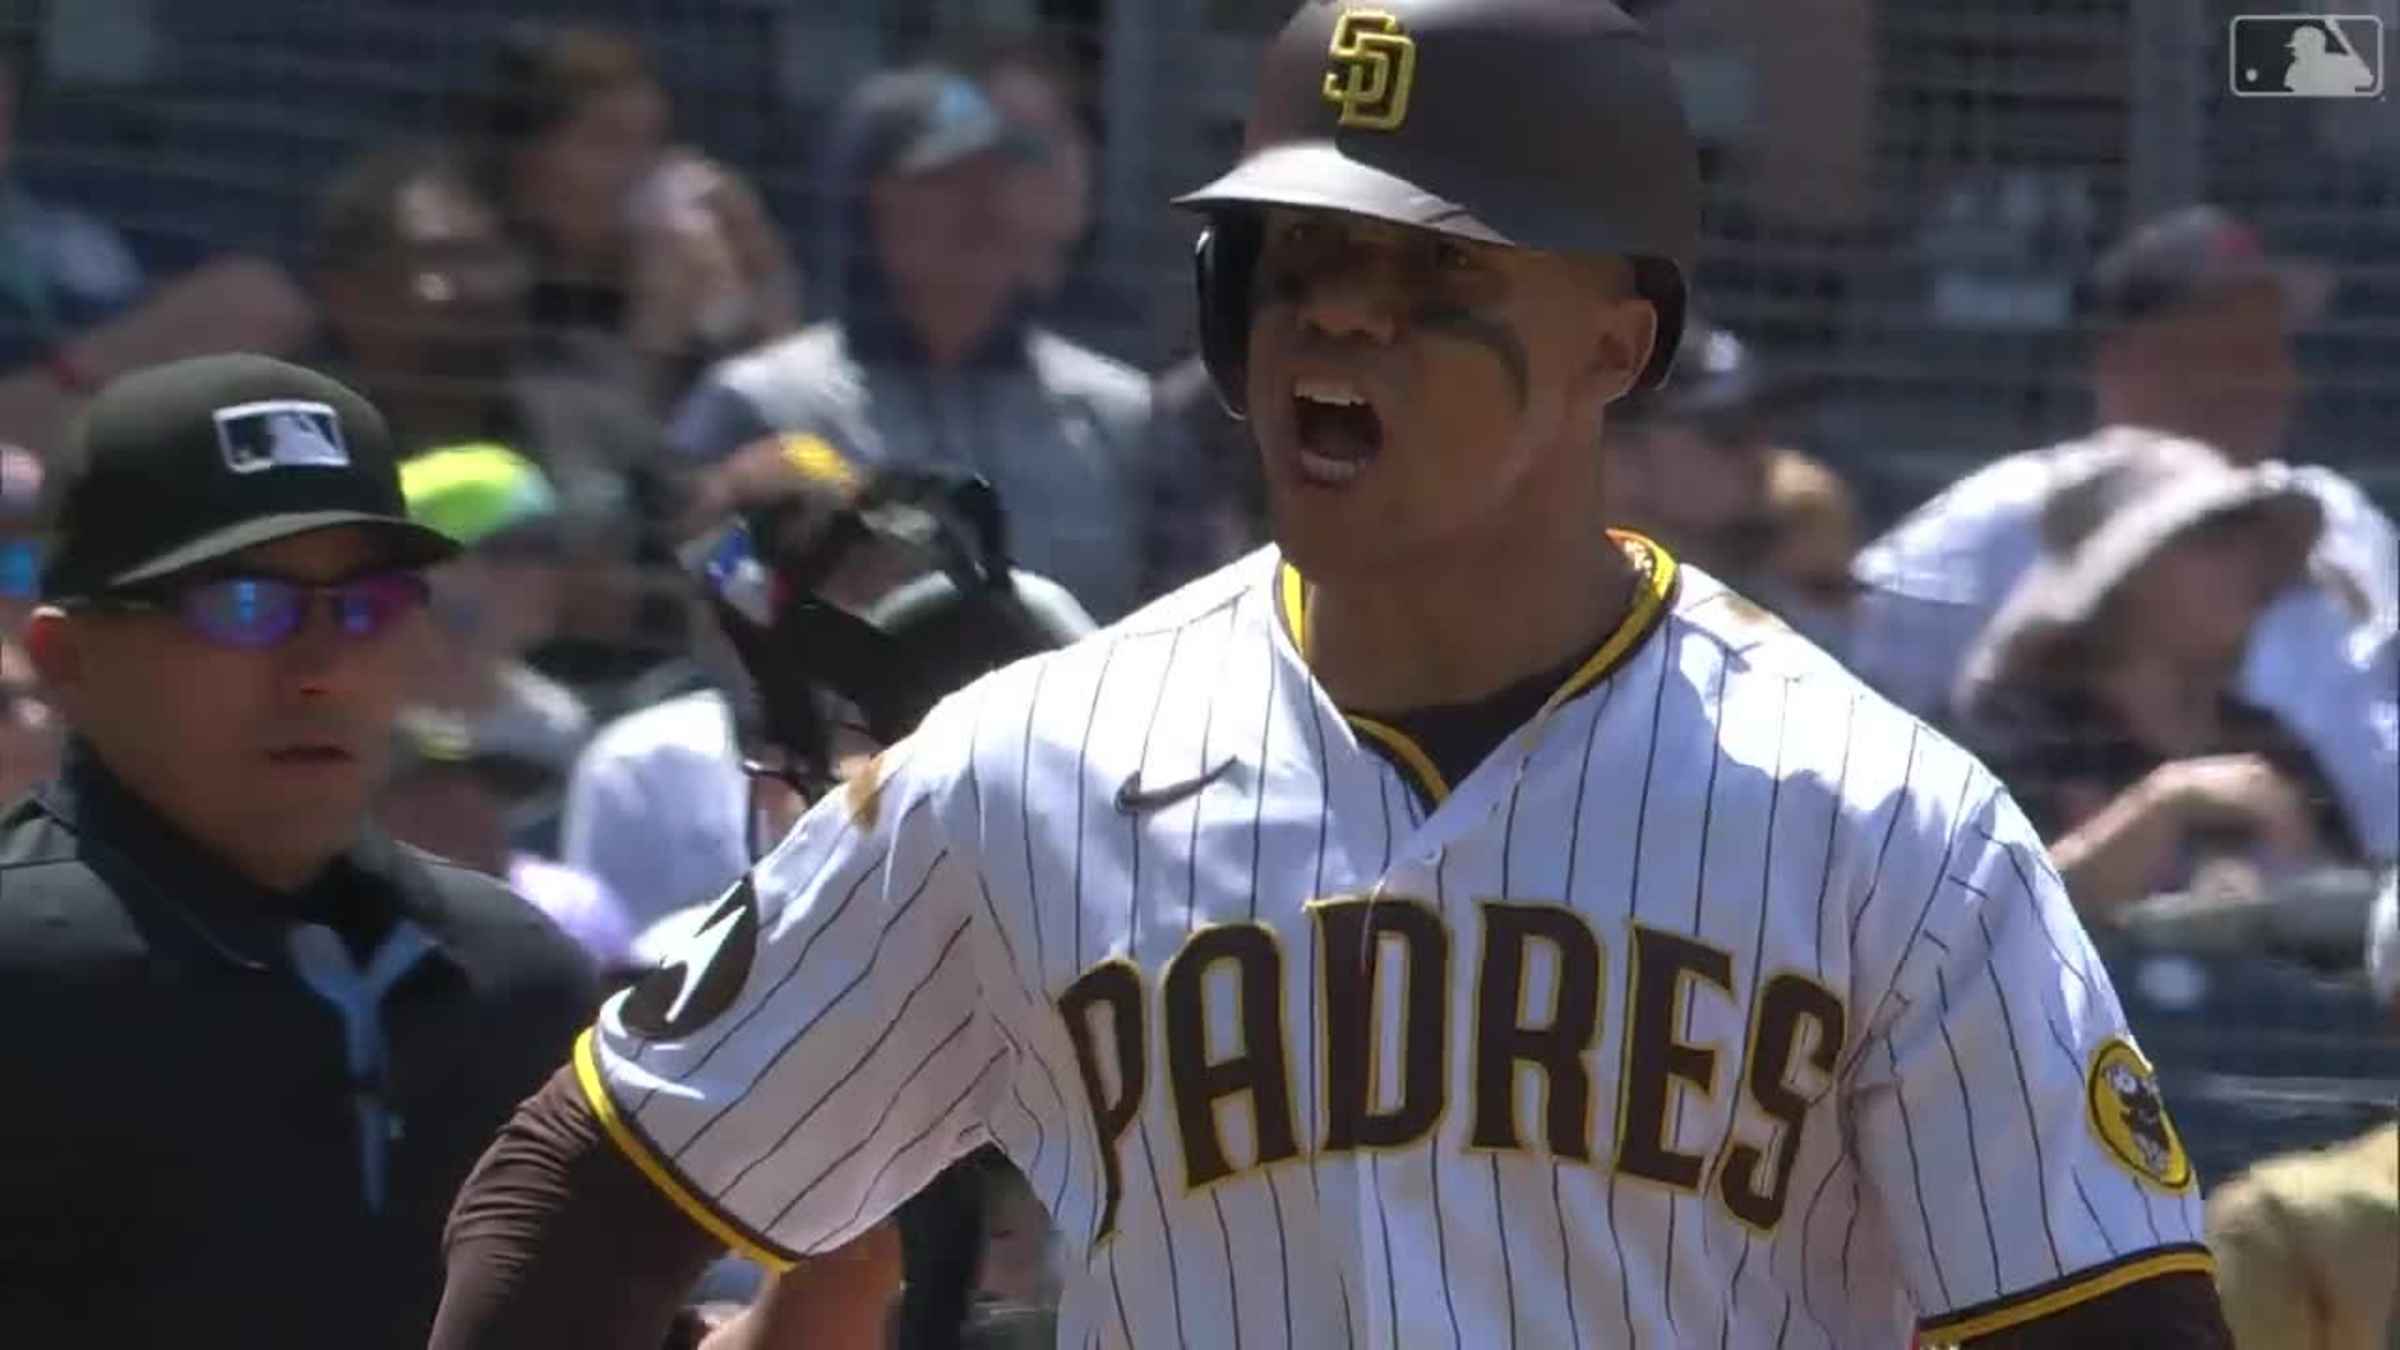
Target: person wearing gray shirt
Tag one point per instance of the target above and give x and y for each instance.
(928, 361)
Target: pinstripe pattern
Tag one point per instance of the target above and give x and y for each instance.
(1708, 814)
(1433, 1161)
(1133, 943)
(1724, 786)
(1633, 901)
(1758, 952)
(1383, 1219)
(1191, 922)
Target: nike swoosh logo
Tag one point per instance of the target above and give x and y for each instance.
(1133, 799)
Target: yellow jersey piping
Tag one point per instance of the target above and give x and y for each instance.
(1983, 1319)
(1655, 589)
(646, 1160)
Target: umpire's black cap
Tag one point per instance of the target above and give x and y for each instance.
(184, 463)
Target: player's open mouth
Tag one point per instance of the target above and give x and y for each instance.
(1339, 429)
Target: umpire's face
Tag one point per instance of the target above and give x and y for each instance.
(266, 755)
(1416, 396)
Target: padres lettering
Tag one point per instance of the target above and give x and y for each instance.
(1796, 1032)
(1374, 63)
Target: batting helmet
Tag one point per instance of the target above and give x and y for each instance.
(1540, 124)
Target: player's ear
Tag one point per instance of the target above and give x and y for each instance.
(1619, 326)
(1623, 329)
(53, 643)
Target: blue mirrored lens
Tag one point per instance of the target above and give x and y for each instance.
(245, 611)
(365, 607)
(254, 612)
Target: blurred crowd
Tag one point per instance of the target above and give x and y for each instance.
(592, 339)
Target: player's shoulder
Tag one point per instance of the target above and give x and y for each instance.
(1043, 699)
(1884, 762)
(1211, 597)
(1714, 621)
(1228, 605)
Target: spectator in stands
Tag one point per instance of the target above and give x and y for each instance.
(2308, 1247)
(30, 734)
(77, 307)
(2383, 949)
(21, 479)
(1205, 496)
(2194, 339)
(450, 792)
(2103, 691)
(1687, 463)
(424, 298)
(60, 269)
(1047, 197)
(658, 808)
(493, 605)
(931, 362)
(634, 239)
(1814, 531)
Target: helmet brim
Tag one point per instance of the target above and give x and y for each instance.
(1316, 175)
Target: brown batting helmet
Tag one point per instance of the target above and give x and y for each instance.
(1542, 124)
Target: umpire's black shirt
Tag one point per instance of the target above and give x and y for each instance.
(181, 1155)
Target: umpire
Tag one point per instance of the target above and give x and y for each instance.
(253, 1044)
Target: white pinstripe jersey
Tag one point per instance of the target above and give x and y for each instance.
(1724, 1004)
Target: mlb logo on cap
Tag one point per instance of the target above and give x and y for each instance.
(2305, 56)
(281, 433)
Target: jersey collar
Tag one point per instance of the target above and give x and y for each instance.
(1653, 596)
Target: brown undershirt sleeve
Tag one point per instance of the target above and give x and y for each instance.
(557, 1241)
(2166, 1312)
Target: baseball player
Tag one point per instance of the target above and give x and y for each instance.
(1456, 925)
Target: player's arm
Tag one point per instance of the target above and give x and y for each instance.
(844, 1297)
(819, 1053)
(2011, 1131)
(557, 1239)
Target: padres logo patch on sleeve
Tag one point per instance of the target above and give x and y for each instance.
(2130, 1117)
(688, 990)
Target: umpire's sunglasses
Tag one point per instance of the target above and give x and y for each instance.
(252, 613)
